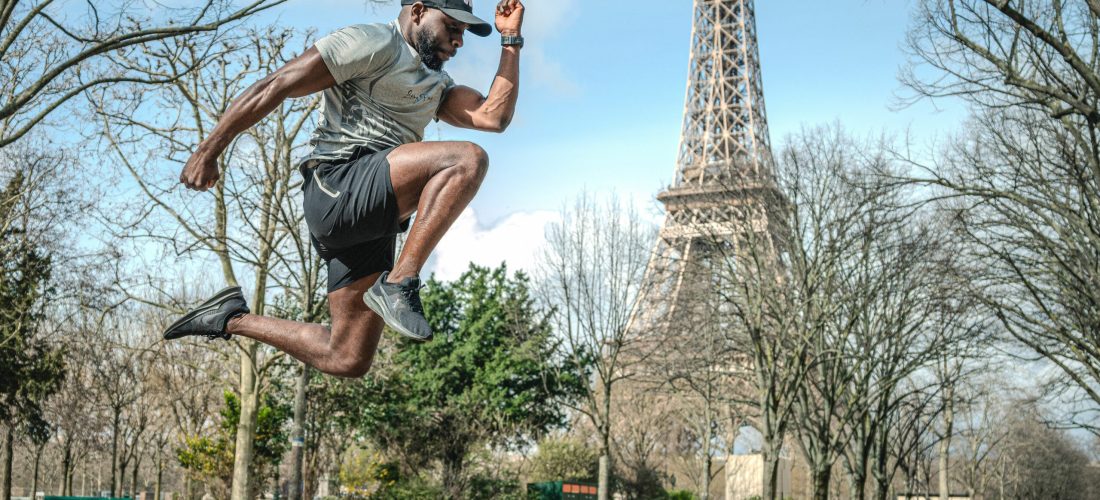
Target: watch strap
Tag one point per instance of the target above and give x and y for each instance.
(511, 40)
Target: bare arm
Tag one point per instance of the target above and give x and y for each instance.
(467, 108)
(301, 76)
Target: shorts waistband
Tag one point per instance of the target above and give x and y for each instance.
(357, 153)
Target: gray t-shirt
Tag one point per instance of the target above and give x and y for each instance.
(384, 96)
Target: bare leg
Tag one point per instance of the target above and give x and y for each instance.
(436, 180)
(346, 350)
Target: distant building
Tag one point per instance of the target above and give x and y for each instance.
(745, 477)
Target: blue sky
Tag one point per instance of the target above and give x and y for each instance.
(602, 91)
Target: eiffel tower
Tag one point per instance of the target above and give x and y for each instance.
(724, 186)
(722, 208)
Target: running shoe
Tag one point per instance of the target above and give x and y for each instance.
(399, 306)
(211, 317)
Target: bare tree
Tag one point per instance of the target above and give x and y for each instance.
(31, 364)
(1028, 168)
(911, 441)
(925, 319)
(951, 372)
(115, 386)
(71, 414)
(1040, 462)
(782, 283)
(980, 434)
(643, 424)
(189, 379)
(50, 54)
(251, 223)
(874, 272)
(834, 310)
(702, 391)
(591, 273)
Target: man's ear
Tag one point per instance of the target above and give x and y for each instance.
(417, 12)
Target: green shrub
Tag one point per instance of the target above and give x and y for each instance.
(415, 488)
(680, 495)
(564, 459)
(494, 488)
(363, 473)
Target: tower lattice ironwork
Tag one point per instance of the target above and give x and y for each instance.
(724, 184)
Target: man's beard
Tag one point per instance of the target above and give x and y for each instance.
(428, 48)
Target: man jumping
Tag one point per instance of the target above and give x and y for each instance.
(369, 172)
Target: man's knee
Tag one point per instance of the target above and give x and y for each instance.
(475, 160)
(354, 366)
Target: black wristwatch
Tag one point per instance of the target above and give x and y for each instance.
(511, 41)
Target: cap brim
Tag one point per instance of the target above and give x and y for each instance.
(475, 24)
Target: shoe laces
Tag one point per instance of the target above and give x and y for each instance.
(412, 296)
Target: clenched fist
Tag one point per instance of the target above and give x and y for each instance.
(201, 171)
(509, 17)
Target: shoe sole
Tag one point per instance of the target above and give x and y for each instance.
(211, 303)
(369, 299)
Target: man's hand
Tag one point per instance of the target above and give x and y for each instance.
(303, 75)
(201, 171)
(509, 17)
(467, 108)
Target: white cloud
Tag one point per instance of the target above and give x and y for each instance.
(516, 240)
(550, 74)
(543, 20)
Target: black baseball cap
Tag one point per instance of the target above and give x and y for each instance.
(461, 10)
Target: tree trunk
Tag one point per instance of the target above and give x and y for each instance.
(297, 439)
(69, 482)
(309, 475)
(770, 457)
(821, 484)
(246, 426)
(857, 485)
(856, 469)
(882, 490)
(882, 484)
(114, 448)
(879, 462)
(134, 476)
(66, 465)
(705, 494)
(705, 480)
(1001, 487)
(275, 483)
(37, 461)
(123, 462)
(452, 475)
(945, 444)
(604, 477)
(603, 481)
(160, 475)
(7, 458)
(604, 484)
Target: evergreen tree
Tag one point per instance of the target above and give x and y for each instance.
(209, 457)
(30, 368)
(493, 376)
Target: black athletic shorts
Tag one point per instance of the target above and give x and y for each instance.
(352, 214)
